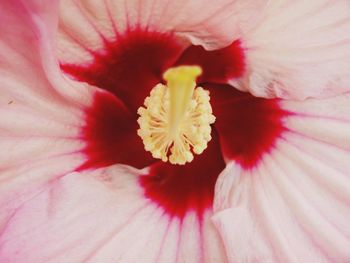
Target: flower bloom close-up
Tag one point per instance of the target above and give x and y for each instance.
(174, 131)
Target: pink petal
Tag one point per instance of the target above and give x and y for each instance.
(102, 216)
(299, 49)
(85, 25)
(296, 203)
(39, 121)
(24, 34)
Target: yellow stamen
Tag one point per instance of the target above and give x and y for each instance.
(175, 120)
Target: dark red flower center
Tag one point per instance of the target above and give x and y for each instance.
(127, 69)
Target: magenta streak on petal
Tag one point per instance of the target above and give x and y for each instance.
(248, 126)
(130, 66)
(182, 188)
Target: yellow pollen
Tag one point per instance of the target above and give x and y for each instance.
(176, 117)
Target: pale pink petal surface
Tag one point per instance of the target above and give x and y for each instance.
(102, 216)
(283, 195)
(299, 49)
(295, 204)
(41, 197)
(38, 141)
(86, 25)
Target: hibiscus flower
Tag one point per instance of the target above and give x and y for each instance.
(266, 171)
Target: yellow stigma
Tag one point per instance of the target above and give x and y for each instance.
(176, 117)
